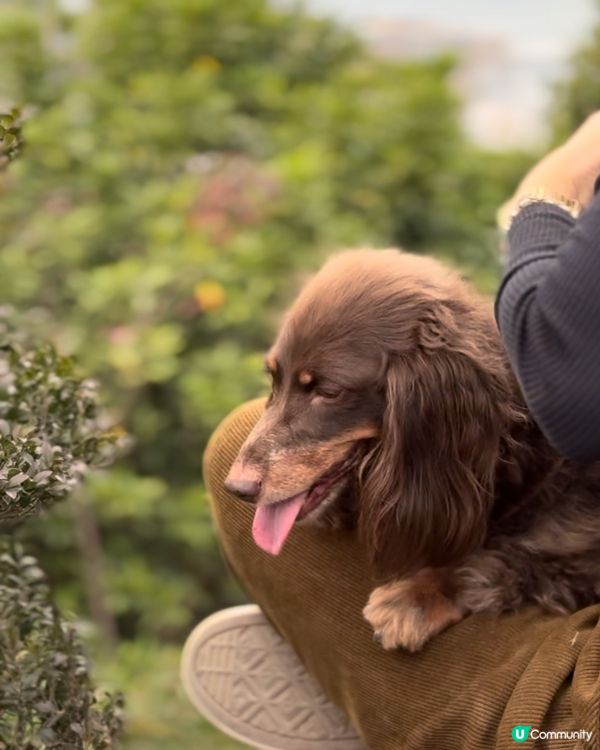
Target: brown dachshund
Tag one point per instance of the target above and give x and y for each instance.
(393, 403)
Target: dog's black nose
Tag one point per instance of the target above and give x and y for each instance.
(246, 489)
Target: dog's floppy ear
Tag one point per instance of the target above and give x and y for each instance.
(427, 487)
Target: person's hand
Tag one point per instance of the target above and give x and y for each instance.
(566, 174)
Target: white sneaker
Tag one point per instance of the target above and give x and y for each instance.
(247, 681)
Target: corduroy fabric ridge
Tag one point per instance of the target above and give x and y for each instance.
(464, 691)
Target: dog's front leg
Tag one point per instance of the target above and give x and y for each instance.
(408, 612)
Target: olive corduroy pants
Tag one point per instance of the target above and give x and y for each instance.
(469, 686)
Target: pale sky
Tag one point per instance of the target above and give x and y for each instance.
(530, 40)
(553, 26)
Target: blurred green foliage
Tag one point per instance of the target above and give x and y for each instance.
(578, 94)
(186, 163)
(159, 716)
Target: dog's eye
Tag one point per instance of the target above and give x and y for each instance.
(328, 394)
(317, 389)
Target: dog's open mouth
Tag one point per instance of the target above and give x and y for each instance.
(273, 523)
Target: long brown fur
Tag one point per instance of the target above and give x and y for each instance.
(454, 476)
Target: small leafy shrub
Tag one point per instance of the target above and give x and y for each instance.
(51, 434)
(46, 697)
(11, 140)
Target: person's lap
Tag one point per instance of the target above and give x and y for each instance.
(465, 690)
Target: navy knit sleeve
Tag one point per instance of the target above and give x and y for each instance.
(548, 312)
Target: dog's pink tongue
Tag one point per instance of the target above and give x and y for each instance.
(273, 523)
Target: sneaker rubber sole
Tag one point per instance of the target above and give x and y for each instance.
(247, 681)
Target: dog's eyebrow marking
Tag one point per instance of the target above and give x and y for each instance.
(273, 368)
(305, 377)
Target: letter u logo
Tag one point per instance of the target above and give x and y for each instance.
(520, 733)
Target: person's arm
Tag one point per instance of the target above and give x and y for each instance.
(548, 311)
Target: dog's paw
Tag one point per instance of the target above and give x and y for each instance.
(407, 613)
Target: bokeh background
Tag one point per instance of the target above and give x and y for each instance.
(185, 163)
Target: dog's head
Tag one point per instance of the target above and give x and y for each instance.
(388, 369)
